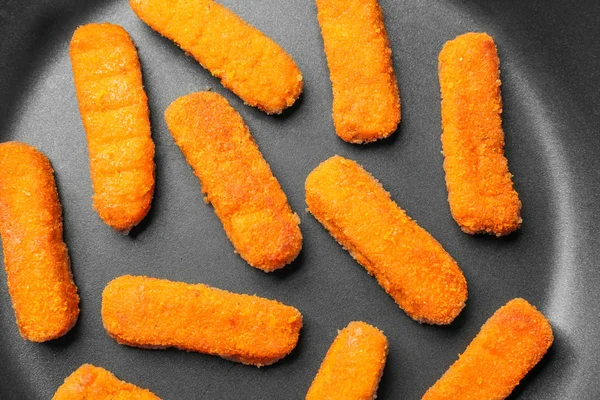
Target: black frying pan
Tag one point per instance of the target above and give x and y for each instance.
(549, 55)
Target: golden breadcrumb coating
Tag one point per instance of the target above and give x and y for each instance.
(157, 313)
(36, 260)
(114, 110)
(246, 61)
(480, 189)
(508, 345)
(366, 102)
(94, 383)
(353, 365)
(236, 179)
(407, 261)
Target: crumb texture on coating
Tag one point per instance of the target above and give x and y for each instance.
(366, 101)
(353, 365)
(480, 188)
(407, 261)
(114, 110)
(236, 179)
(246, 61)
(36, 259)
(94, 383)
(157, 313)
(508, 345)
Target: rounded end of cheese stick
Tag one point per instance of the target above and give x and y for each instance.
(90, 383)
(265, 240)
(353, 365)
(412, 267)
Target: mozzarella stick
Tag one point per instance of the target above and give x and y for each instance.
(509, 344)
(94, 383)
(407, 261)
(36, 260)
(246, 61)
(156, 313)
(114, 110)
(366, 102)
(480, 189)
(353, 365)
(236, 179)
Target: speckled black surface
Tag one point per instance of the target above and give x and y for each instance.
(549, 52)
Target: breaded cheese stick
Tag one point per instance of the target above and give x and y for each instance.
(353, 365)
(94, 383)
(508, 345)
(407, 261)
(236, 179)
(246, 61)
(36, 260)
(114, 110)
(156, 313)
(480, 189)
(366, 102)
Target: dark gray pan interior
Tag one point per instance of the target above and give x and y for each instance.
(549, 51)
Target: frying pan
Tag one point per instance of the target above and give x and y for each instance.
(549, 53)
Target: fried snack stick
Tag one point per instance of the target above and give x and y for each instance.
(37, 264)
(156, 313)
(353, 365)
(246, 61)
(94, 383)
(509, 344)
(236, 179)
(114, 110)
(366, 102)
(407, 261)
(480, 189)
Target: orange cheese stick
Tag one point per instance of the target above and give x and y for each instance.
(94, 383)
(353, 365)
(509, 344)
(480, 189)
(115, 115)
(236, 179)
(37, 264)
(246, 61)
(156, 313)
(407, 261)
(366, 102)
